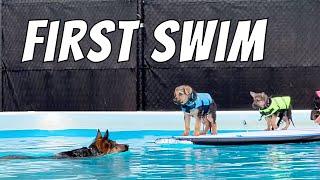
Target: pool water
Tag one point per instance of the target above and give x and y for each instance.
(147, 160)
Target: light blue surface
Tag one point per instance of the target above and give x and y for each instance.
(133, 121)
(147, 160)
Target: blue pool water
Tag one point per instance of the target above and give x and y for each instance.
(147, 160)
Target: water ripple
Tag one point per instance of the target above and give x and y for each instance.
(147, 160)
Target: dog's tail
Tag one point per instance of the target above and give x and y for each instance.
(9, 157)
(16, 157)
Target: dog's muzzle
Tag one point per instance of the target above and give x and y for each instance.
(254, 106)
(175, 101)
(126, 147)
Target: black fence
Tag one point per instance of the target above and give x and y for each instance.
(77, 54)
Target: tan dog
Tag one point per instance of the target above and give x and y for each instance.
(197, 105)
(272, 108)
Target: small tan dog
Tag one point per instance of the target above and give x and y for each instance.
(198, 105)
(272, 108)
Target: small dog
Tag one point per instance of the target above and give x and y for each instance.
(198, 105)
(315, 113)
(272, 108)
(99, 147)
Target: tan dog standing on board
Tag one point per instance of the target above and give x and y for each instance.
(197, 105)
(271, 108)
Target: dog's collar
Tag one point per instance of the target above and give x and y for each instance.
(269, 100)
(266, 106)
(191, 103)
(192, 99)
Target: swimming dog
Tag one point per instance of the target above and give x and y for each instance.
(271, 108)
(198, 105)
(99, 147)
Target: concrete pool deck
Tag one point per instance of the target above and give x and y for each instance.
(132, 121)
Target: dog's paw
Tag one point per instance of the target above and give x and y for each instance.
(196, 133)
(214, 133)
(186, 133)
(203, 133)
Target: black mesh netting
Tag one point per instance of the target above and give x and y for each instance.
(230, 87)
(70, 90)
(291, 57)
(290, 65)
(291, 36)
(67, 85)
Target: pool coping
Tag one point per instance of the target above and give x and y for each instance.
(135, 120)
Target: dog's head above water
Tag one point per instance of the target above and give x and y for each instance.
(106, 146)
(259, 100)
(100, 146)
(183, 94)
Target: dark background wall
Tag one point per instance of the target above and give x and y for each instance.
(290, 65)
(68, 85)
(291, 57)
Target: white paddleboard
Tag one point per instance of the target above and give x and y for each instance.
(171, 141)
(254, 137)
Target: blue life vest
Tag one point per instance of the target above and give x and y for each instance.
(203, 100)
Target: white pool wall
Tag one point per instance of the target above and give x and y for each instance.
(132, 121)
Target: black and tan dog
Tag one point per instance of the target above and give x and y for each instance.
(99, 147)
(271, 108)
(198, 105)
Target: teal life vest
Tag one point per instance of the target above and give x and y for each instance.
(277, 104)
(201, 100)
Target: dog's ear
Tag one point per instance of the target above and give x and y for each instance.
(177, 89)
(106, 135)
(253, 94)
(187, 89)
(98, 136)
